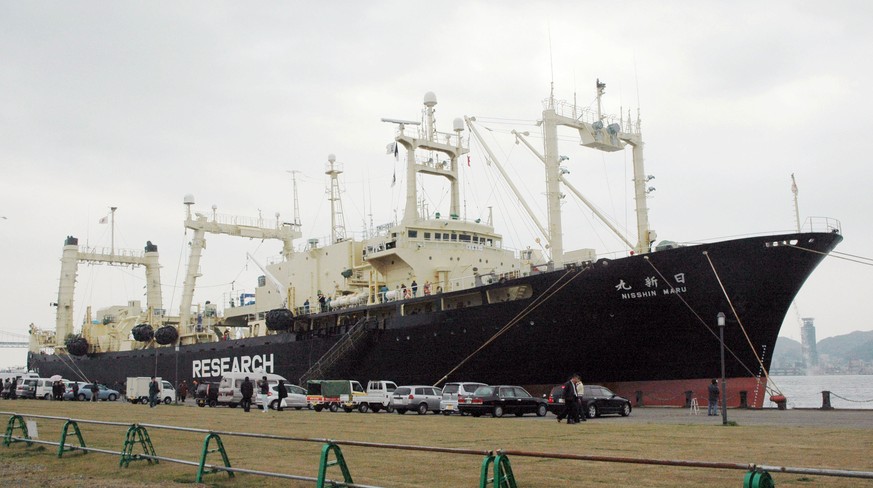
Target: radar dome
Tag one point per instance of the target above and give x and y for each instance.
(430, 99)
(458, 124)
(331, 157)
(188, 199)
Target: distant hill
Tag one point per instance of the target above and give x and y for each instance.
(839, 349)
(846, 346)
(787, 352)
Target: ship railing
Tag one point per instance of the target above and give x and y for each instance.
(421, 133)
(241, 221)
(822, 224)
(108, 251)
(570, 110)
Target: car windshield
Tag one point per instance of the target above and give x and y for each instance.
(401, 391)
(484, 391)
(451, 388)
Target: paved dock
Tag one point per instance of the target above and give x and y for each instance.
(856, 419)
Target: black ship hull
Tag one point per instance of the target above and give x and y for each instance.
(644, 325)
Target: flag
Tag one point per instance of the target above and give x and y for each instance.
(468, 160)
(390, 148)
(394, 179)
(396, 152)
(104, 220)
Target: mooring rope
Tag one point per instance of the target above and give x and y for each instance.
(699, 318)
(739, 321)
(542, 298)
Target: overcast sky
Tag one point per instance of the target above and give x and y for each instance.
(135, 104)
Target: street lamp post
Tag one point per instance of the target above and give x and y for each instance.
(720, 318)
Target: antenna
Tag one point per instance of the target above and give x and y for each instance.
(296, 221)
(551, 72)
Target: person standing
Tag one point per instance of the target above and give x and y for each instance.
(414, 286)
(581, 414)
(12, 386)
(75, 391)
(154, 390)
(263, 392)
(713, 399)
(283, 394)
(569, 394)
(183, 391)
(247, 390)
(95, 389)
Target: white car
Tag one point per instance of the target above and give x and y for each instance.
(296, 397)
(417, 398)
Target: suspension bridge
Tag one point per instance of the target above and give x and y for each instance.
(11, 339)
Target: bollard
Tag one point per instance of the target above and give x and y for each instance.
(744, 399)
(639, 395)
(826, 400)
(688, 395)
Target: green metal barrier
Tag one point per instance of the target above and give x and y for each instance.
(206, 450)
(136, 434)
(503, 476)
(322, 468)
(10, 429)
(61, 446)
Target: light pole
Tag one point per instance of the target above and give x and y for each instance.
(720, 318)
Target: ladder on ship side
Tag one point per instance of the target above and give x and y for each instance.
(341, 349)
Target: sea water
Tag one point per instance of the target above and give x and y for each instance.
(847, 391)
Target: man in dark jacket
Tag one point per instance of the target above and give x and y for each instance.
(571, 406)
(75, 391)
(713, 398)
(154, 391)
(95, 390)
(247, 389)
(283, 394)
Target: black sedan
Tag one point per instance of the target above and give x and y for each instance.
(500, 399)
(597, 400)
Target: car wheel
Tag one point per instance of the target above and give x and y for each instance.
(592, 411)
(389, 409)
(81, 397)
(401, 411)
(201, 404)
(318, 408)
(333, 407)
(422, 408)
(213, 403)
(168, 401)
(476, 414)
(274, 404)
(542, 410)
(46, 397)
(447, 412)
(112, 397)
(232, 405)
(625, 410)
(497, 412)
(363, 408)
(297, 408)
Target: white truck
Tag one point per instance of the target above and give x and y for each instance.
(378, 397)
(138, 390)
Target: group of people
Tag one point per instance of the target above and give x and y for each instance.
(247, 389)
(9, 387)
(574, 410)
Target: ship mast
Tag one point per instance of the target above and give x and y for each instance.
(429, 139)
(234, 226)
(596, 134)
(337, 220)
(796, 206)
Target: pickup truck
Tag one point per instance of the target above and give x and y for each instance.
(333, 394)
(378, 397)
(138, 390)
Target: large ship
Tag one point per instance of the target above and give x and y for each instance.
(435, 298)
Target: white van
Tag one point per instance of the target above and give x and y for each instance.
(228, 388)
(44, 388)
